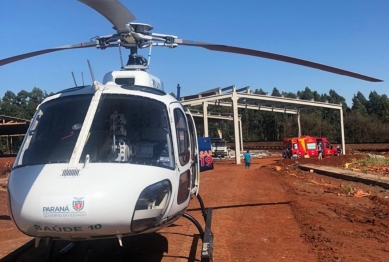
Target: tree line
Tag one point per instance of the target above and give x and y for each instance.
(366, 121)
(20, 105)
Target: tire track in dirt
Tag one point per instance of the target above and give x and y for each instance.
(252, 221)
(335, 222)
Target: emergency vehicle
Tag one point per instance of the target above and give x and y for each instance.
(307, 145)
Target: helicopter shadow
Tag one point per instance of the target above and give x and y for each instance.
(244, 205)
(151, 247)
(192, 252)
(144, 247)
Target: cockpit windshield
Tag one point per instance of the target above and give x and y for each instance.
(54, 131)
(132, 130)
(125, 129)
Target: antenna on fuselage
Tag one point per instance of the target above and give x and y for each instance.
(74, 79)
(91, 71)
(95, 86)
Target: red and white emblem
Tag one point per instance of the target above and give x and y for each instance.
(78, 203)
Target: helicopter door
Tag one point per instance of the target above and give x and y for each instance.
(182, 153)
(195, 168)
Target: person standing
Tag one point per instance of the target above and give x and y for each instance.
(320, 150)
(247, 159)
(339, 150)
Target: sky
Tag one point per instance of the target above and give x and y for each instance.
(348, 34)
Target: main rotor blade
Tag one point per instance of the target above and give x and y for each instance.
(45, 51)
(288, 59)
(112, 10)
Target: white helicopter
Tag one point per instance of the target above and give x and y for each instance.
(117, 158)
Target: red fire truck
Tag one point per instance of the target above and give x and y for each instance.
(298, 147)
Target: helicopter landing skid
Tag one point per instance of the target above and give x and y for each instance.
(206, 234)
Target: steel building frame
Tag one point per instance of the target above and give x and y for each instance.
(277, 104)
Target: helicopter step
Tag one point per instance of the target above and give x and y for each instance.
(206, 234)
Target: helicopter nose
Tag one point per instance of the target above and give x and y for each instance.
(95, 204)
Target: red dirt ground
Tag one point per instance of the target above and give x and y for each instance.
(272, 212)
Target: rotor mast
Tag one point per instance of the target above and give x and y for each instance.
(135, 61)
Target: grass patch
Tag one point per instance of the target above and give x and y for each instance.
(372, 161)
(346, 189)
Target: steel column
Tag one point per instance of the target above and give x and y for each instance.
(234, 99)
(342, 131)
(205, 118)
(241, 135)
(298, 123)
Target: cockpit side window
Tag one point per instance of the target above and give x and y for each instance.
(182, 136)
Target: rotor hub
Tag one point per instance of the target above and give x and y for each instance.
(139, 27)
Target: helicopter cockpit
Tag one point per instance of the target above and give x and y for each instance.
(125, 129)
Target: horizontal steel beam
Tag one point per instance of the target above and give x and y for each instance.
(213, 116)
(290, 101)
